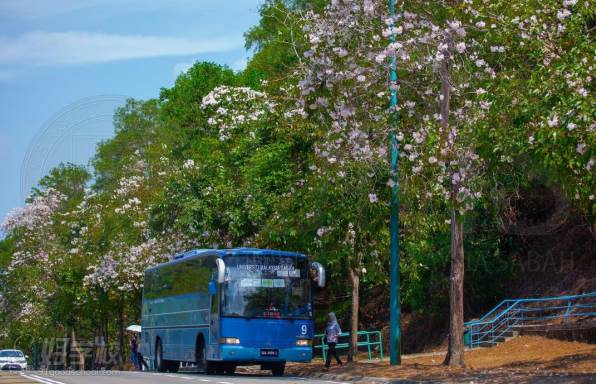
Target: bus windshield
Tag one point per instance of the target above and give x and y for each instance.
(266, 286)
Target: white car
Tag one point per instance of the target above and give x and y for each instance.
(12, 359)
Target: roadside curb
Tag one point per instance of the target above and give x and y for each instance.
(350, 378)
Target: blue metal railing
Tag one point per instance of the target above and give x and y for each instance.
(368, 339)
(512, 314)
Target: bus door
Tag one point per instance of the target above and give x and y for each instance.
(214, 312)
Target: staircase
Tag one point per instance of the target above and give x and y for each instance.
(506, 319)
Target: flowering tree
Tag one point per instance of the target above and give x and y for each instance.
(37, 277)
(239, 168)
(448, 56)
(540, 102)
(348, 63)
(234, 108)
(36, 247)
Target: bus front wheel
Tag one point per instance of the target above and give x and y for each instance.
(278, 369)
(229, 369)
(202, 363)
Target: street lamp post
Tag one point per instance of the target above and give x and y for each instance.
(394, 305)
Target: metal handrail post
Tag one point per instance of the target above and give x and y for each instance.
(567, 311)
(368, 345)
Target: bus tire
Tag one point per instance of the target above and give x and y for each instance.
(159, 363)
(173, 366)
(203, 365)
(278, 369)
(211, 368)
(229, 369)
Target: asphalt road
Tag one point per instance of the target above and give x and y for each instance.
(120, 377)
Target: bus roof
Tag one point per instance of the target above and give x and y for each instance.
(226, 252)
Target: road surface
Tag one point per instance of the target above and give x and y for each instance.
(120, 377)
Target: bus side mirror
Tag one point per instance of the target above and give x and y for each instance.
(221, 270)
(212, 287)
(318, 273)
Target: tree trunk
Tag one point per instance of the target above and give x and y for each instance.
(105, 344)
(355, 281)
(121, 338)
(106, 330)
(65, 363)
(455, 352)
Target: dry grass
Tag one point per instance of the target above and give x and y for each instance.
(516, 360)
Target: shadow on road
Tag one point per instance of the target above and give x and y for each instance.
(241, 372)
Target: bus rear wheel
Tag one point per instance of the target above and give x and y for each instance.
(159, 363)
(164, 365)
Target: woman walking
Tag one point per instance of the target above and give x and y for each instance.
(134, 351)
(332, 332)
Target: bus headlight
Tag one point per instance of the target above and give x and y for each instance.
(229, 340)
(303, 343)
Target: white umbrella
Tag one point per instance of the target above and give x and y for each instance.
(134, 328)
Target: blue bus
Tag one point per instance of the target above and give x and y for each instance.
(220, 308)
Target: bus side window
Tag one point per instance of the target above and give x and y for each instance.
(149, 286)
(213, 286)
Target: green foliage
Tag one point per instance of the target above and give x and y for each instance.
(7, 248)
(181, 103)
(69, 179)
(136, 128)
(278, 40)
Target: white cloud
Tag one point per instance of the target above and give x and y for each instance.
(54, 48)
(39, 9)
(34, 8)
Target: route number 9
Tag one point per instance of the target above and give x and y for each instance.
(304, 329)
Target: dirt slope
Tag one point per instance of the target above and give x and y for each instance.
(522, 359)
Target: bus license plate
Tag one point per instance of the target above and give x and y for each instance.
(269, 352)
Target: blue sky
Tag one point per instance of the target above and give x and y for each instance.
(66, 64)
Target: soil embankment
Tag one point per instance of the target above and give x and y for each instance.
(518, 360)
